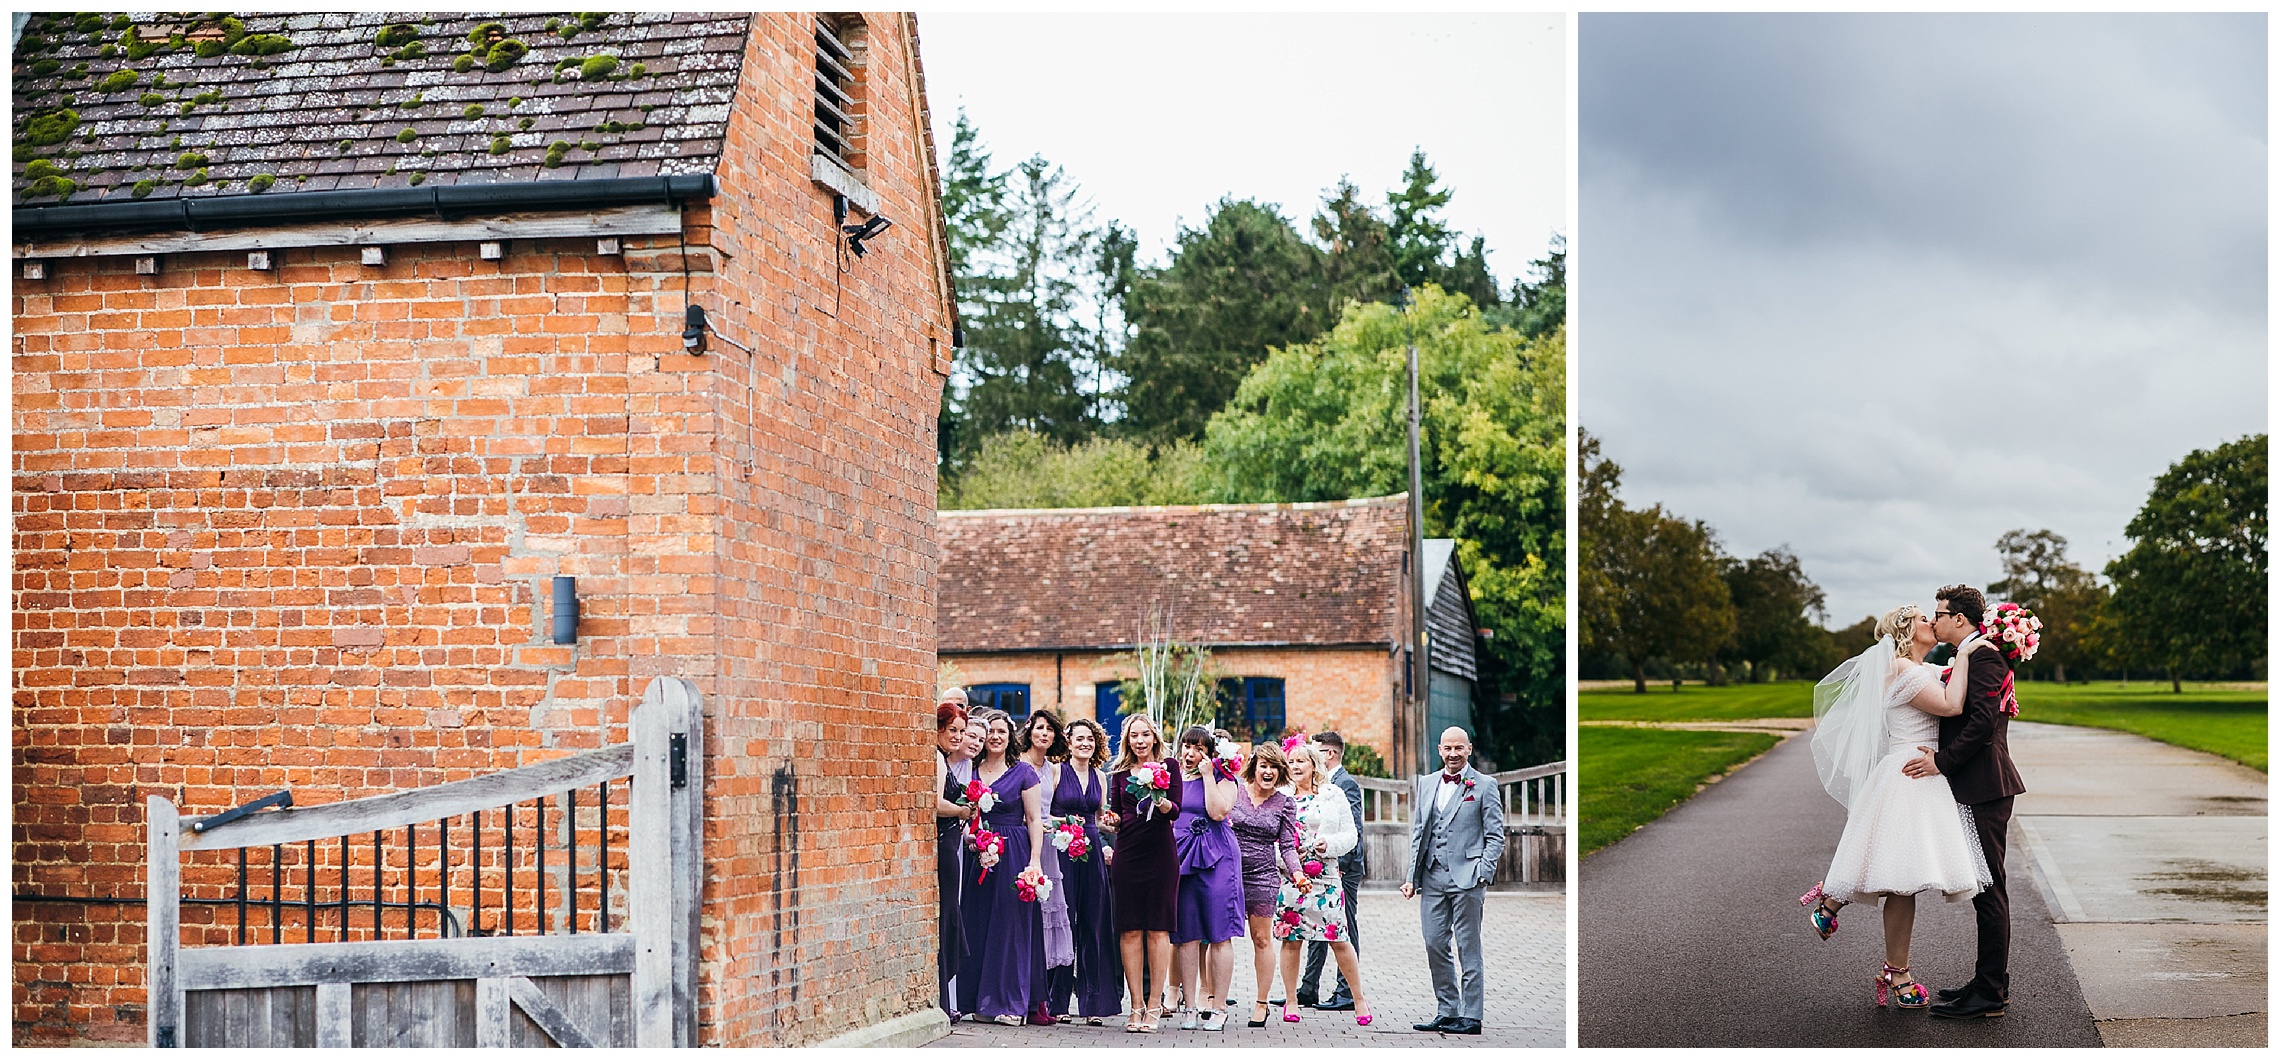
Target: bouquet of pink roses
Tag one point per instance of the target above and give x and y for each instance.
(1069, 837)
(1227, 760)
(991, 847)
(1032, 886)
(2015, 630)
(1147, 782)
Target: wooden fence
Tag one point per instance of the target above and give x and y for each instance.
(1536, 818)
(456, 941)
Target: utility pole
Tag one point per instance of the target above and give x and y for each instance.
(1419, 693)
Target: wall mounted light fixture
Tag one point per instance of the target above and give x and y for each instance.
(693, 331)
(565, 609)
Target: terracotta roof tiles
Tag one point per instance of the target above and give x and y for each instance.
(1317, 574)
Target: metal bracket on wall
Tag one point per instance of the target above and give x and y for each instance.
(678, 757)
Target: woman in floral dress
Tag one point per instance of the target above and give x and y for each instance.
(1313, 909)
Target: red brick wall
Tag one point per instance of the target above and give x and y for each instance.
(291, 529)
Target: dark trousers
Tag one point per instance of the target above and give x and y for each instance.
(1992, 977)
(1318, 954)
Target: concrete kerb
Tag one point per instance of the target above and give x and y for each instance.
(909, 1030)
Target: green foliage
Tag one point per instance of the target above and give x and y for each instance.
(1628, 777)
(189, 160)
(1362, 760)
(1777, 616)
(137, 49)
(2190, 593)
(41, 167)
(2068, 599)
(501, 145)
(479, 38)
(61, 187)
(474, 110)
(1328, 421)
(1660, 703)
(261, 182)
(195, 179)
(76, 72)
(2230, 721)
(143, 188)
(121, 80)
(556, 152)
(597, 67)
(107, 51)
(45, 67)
(418, 100)
(408, 135)
(1023, 469)
(1649, 580)
(26, 152)
(396, 35)
(210, 47)
(525, 124)
(513, 102)
(463, 64)
(1243, 282)
(418, 178)
(152, 99)
(1537, 307)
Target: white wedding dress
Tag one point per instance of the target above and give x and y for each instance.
(1906, 835)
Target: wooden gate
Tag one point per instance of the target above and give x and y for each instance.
(1536, 816)
(439, 947)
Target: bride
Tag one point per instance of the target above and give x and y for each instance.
(1903, 836)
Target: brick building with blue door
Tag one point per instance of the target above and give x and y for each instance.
(1305, 608)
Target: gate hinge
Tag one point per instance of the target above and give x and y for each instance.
(165, 1036)
(281, 800)
(680, 759)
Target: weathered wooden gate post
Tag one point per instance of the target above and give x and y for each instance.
(162, 898)
(668, 787)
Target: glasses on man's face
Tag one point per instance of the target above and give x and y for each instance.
(1936, 615)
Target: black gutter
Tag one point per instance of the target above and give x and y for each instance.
(442, 202)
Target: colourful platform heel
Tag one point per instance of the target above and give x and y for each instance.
(1905, 995)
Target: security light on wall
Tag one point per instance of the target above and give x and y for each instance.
(870, 229)
(693, 332)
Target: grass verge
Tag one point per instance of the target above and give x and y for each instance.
(1629, 777)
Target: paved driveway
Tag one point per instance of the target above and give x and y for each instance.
(1525, 936)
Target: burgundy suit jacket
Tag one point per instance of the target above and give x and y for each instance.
(1975, 748)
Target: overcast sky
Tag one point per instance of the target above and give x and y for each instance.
(1882, 287)
(1157, 116)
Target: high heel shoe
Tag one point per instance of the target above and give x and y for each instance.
(1824, 918)
(1364, 1020)
(1258, 1014)
(1910, 994)
(1288, 1016)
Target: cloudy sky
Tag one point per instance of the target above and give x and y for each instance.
(1882, 287)
(1159, 115)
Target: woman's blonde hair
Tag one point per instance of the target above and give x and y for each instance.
(1313, 755)
(1900, 625)
(1125, 759)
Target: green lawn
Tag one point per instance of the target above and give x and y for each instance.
(1631, 776)
(2224, 721)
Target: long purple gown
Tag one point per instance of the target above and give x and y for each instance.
(949, 845)
(1211, 873)
(1005, 936)
(1097, 980)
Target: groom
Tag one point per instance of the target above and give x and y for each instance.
(1975, 757)
(1456, 839)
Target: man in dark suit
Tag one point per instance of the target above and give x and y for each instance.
(1350, 869)
(1975, 756)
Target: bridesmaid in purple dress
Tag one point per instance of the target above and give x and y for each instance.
(1266, 827)
(1211, 884)
(1143, 871)
(1096, 984)
(1005, 949)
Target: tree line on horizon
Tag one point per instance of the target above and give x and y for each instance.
(1659, 597)
(1259, 365)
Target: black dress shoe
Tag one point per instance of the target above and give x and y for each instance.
(1460, 1025)
(1971, 1007)
(1306, 1001)
(1956, 993)
(1337, 1004)
(1437, 1025)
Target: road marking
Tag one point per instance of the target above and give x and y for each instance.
(2055, 890)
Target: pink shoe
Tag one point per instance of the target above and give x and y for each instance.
(1363, 1021)
(1288, 1017)
(1824, 918)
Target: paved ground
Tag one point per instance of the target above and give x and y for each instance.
(1525, 936)
(1689, 934)
(2151, 859)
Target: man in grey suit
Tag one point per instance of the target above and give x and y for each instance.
(1456, 839)
(1351, 869)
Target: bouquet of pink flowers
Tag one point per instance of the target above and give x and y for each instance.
(1032, 886)
(991, 847)
(975, 789)
(2015, 630)
(1312, 867)
(1227, 760)
(1069, 837)
(1147, 782)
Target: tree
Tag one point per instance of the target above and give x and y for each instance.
(1413, 223)
(1359, 264)
(1328, 421)
(1538, 307)
(1651, 581)
(2189, 594)
(1241, 284)
(1777, 611)
(1023, 329)
(2038, 576)
(1022, 469)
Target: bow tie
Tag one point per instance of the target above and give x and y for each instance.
(1451, 778)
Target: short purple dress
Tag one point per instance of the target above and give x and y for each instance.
(1144, 880)
(1005, 948)
(1211, 873)
(1267, 832)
